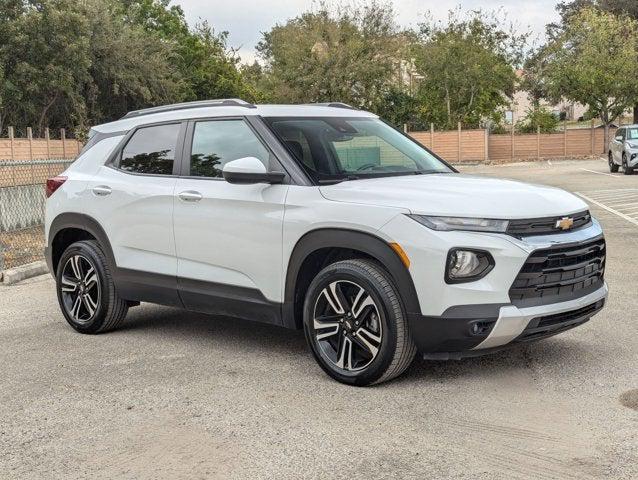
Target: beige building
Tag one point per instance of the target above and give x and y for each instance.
(522, 102)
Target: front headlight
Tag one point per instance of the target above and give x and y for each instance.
(467, 265)
(461, 223)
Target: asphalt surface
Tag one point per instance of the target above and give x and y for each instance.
(181, 395)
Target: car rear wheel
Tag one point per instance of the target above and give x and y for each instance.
(355, 323)
(613, 168)
(86, 292)
(625, 166)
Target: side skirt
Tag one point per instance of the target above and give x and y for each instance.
(198, 296)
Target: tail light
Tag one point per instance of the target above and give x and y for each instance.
(53, 184)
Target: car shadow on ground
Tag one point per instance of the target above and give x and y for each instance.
(254, 338)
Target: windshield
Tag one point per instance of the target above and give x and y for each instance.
(337, 148)
(632, 134)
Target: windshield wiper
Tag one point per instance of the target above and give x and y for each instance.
(332, 181)
(427, 172)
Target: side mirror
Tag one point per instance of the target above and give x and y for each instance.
(619, 138)
(248, 171)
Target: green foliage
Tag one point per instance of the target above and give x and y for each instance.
(593, 61)
(74, 63)
(538, 117)
(398, 107)
(467, 68)
(332, 54)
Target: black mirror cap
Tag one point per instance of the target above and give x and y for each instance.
(253, 178)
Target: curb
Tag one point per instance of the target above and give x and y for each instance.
(15, 275)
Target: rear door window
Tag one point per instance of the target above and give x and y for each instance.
(151, 150)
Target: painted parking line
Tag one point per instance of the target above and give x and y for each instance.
(598, 173)
(622, 203)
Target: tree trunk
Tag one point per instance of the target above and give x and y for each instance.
(604, 116)
(636, 113)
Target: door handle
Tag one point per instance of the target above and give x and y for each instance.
(102, 190)
(190, 196)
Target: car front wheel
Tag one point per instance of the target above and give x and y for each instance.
(625, 165)
(86, 291)
(355, 324)
(613, 168)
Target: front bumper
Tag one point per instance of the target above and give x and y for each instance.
(513, 321)
(472, 330)
(478, 317)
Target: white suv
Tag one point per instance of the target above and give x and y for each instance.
(316, 217)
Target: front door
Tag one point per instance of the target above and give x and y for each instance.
(228, 237)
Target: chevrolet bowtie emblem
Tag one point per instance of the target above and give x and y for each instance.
(565, 223)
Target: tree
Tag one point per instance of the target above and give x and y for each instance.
(586, 63)
(399, 107)
(45, 55)
(619, 7)
(350, 55)
(468, 69)
(130, 68)
(72, 63)
(209, 69)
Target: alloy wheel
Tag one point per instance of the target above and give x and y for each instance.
(80, 287)
(347, 326)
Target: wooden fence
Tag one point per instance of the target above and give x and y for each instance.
(30, 148)
(454, 146)
(480, 146)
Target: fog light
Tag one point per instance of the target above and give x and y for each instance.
(467, 265)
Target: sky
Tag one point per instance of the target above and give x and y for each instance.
(246, 19)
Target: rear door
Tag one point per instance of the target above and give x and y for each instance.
(228, 237)
(133, 199)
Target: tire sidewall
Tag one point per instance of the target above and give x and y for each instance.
(380, 364)
(81, 248)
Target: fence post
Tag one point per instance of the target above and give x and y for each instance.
(459, 149)
(512, 140)
(63, 137)
(30, 138)
(565, 138)
(47, 137)
(405, 128)
(11, 143)
(538, 142)
(432, 136)
(593, 137)
(487, 145)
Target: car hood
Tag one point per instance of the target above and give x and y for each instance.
(458, 195)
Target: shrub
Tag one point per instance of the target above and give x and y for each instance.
(538, 117)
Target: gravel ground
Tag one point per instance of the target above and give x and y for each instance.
(181, 395)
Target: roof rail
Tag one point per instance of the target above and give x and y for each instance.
(221, 102)
(333, 105)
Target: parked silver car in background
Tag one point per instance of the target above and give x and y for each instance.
(623, 150)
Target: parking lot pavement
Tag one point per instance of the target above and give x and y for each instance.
(181, 395)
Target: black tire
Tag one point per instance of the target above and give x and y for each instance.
(625, 168)
(613, 168)
(378, 314)
(92, 305)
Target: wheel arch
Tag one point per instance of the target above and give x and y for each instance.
(68, 228)
(320, 247)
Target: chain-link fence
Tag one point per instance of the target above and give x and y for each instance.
(22, 198)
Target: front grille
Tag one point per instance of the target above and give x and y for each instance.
(548, 325)
(560, 273)
(543, 226)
